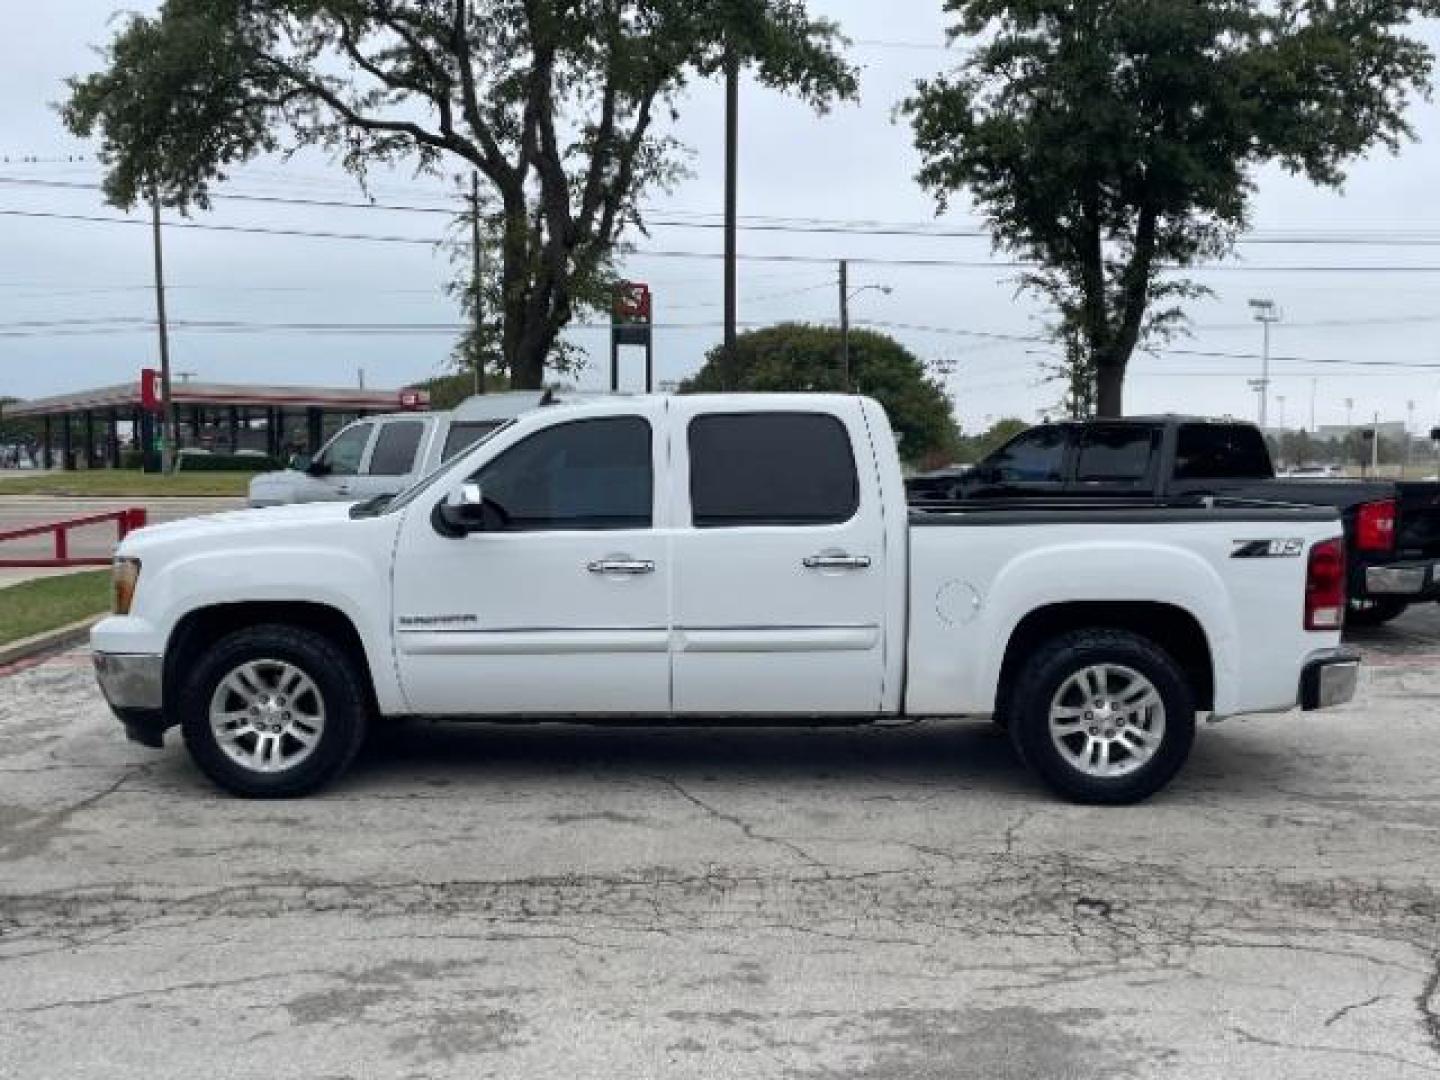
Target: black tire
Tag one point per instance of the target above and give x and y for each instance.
(1052, 666)
(1364, 613)
(337, 685)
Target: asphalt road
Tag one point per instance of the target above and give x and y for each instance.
(850, 905)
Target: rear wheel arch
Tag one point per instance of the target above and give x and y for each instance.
(1171, 628)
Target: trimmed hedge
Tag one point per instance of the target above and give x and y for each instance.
(226, 463)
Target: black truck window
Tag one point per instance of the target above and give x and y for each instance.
(1037, 455)
(771, 468)
(1221, 452)
(1115, 452)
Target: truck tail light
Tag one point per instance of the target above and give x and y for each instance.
(1375, 526)
(1325, 586)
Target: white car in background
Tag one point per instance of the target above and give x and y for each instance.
(382, 455)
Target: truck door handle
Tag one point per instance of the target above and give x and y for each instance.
(621, 566)
(837, 562)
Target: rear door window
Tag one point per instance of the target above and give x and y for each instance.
(1115, 453)
(395, 448)
(771, 468)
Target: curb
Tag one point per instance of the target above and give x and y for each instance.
(50, 641)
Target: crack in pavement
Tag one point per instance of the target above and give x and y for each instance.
(1426, 1002)
(1345, 1010)
(34, 836)
(744, 826)
(1346, 1051)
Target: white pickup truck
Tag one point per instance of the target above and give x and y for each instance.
(698, 559)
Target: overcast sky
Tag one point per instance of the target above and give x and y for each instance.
(854, 164)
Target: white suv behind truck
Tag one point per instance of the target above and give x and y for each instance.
(699, 559)
(383, 455)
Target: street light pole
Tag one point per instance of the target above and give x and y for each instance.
(1265, 313)
(846, 295)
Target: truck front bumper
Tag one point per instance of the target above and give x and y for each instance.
(1418, 580)
(133, 685)
(1329, 680)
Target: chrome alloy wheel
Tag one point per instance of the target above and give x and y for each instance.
(267, 715)
(1107, 720)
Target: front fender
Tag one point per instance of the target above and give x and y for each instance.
(354, 582)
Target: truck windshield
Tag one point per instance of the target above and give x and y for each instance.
(410, 494)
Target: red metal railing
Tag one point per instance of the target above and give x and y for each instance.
(126, 521)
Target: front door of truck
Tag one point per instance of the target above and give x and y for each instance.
(562, 607)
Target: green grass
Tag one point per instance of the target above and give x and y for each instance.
(123, 483)
(32, 607)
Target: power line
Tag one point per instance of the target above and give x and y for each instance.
(1041, 339)
(803, 226)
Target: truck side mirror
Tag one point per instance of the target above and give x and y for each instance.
(300, 462)
(462, 512)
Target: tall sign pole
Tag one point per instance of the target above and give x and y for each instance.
(732, 151)
(632, 322)
(167, 426)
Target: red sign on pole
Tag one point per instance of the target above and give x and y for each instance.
(632, 303)
(152, 395)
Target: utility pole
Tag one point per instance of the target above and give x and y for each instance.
(845, 325)
(477, 270)
(1266, 313)
(167, 428)
(1409, 427)
(1375, 448)
(1280, 399)
(1314, 389)
(732, 152)
(1349, 414)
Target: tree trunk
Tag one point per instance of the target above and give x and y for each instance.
(1109, 390)
(527, 371)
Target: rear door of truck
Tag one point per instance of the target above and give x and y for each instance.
(780, 558)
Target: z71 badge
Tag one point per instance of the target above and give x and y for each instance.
(1268, 549)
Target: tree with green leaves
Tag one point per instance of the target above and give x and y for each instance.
(556, 104)
(1112, 142)
(798, 357)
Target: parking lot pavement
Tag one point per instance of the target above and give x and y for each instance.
(844, 904)
(94, 541)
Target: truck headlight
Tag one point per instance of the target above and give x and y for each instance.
(125, 575)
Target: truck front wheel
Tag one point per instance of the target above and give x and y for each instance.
(273, 711)
(1103, 716)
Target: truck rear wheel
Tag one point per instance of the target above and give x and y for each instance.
(1374, 612)
(1103, 716)
(273, 711)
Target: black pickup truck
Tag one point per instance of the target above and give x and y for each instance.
(1392, 529)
